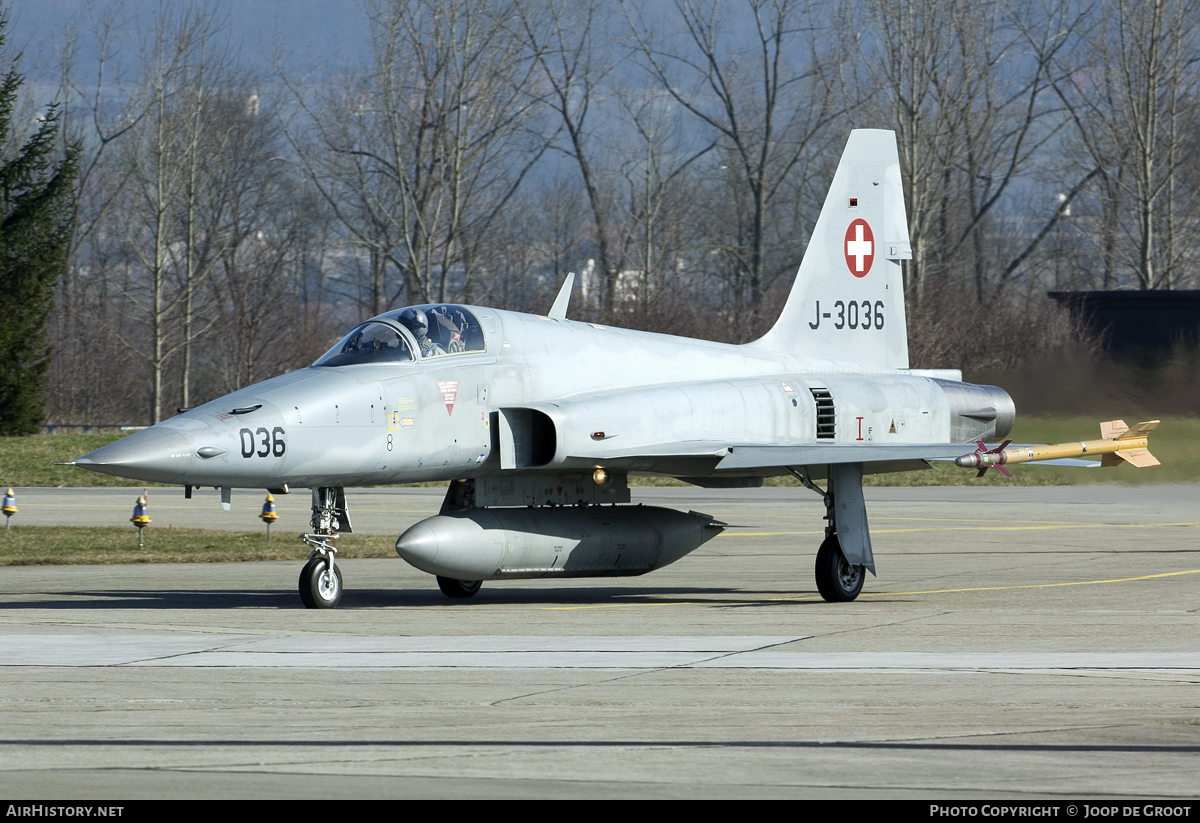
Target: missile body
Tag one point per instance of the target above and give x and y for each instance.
(1121, 444)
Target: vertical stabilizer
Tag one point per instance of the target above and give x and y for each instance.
(847, 303)
(559, 309)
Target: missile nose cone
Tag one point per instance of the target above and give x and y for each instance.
(157, 454)
(418, 545)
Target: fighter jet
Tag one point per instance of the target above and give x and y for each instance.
(537, 421)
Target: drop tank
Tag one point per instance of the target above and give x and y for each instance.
(530, 542)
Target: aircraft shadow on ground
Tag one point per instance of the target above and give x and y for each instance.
(407, 598)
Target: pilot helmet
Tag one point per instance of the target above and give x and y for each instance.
(416, 322)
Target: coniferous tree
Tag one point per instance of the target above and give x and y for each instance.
(36, 196)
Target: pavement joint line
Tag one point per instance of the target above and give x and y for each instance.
(734, 653)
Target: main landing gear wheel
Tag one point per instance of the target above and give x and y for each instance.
(837, 580)
(318, 588)
(458, 588)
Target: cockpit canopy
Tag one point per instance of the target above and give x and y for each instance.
(372, 342)
(440, 329)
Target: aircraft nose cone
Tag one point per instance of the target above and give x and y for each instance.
(418, 546)
(157, 454)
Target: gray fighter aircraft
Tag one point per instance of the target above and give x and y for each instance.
(537, 421)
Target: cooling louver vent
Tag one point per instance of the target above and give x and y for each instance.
(825, 416)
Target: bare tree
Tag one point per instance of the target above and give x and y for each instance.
(102, 109)
(966, 86)
(260, 227)
(767, 111)
(167, 154)
(421, 151)
(1133, 108)
(567, 42)
(661, 193)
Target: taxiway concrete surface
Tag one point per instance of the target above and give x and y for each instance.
(1018, 643)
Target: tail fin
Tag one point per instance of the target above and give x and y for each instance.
(847, 303)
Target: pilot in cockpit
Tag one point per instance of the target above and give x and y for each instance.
(416, 322)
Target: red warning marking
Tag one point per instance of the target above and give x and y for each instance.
(449, 390)
(860, 248)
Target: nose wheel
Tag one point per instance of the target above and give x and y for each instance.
(321, 579)
(320, 583)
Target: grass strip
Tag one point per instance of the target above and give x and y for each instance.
(99, 545)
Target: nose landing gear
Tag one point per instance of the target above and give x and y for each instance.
(321, 579)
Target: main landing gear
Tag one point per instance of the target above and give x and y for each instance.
(460, 496)
(837, 580)
(845, 554)
(458, 588)
(321, 579)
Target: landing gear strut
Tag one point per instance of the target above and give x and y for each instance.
(321, 579)
(460, 496)
(845, 554)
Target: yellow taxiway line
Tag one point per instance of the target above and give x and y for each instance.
(881, 594)
(976, 528)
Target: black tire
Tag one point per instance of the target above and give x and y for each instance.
(319, 590)
(837, 580)
(305, 583)
(458, 588)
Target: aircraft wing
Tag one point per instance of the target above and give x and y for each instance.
(750, 457)
(757, 457)
(693, 456)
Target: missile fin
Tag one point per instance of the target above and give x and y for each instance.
(1113, 429)
(1140, 430)
(1139, 457)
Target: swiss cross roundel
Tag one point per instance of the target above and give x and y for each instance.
(859, 248)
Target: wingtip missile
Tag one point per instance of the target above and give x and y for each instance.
(1119, 443)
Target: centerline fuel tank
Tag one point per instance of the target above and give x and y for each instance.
(591, 541)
